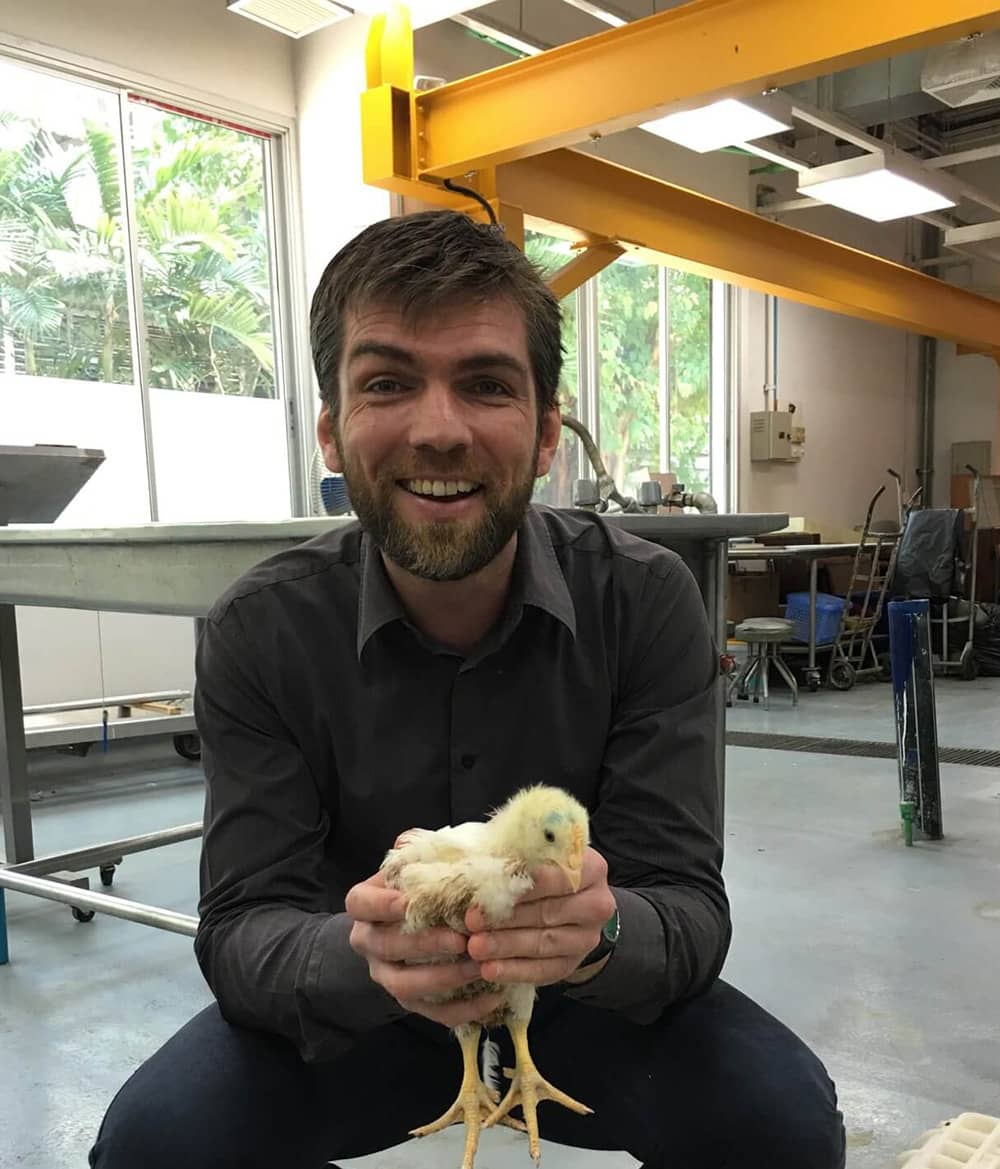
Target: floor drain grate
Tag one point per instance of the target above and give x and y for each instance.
(865, 748)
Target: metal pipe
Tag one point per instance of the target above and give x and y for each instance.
(112, 700)
(95, 854)
(163, 919)
(928, 387)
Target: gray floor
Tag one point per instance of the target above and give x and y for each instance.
(882, 958)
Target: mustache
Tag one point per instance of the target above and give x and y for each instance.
(434, 469)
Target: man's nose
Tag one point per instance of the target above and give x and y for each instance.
(440, 419)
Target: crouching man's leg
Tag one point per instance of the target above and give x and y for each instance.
(217, 1096)
(716, 1083)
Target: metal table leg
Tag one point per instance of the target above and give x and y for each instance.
(14, 803)
(812, 673)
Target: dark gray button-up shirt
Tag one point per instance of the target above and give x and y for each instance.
(330, 724)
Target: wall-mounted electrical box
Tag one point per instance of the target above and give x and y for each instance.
(775, 437)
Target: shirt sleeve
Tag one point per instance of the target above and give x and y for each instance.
(658, 819)
(273, 954)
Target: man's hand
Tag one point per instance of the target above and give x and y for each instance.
(550, 932)
(376, 935)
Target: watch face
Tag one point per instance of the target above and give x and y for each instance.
(612, 928)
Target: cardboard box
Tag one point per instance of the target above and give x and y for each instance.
(752, 595)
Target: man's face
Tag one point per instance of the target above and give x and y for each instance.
(438, 433)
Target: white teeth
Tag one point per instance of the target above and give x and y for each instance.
(440, 487)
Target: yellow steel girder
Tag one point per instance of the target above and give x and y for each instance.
(680, 228)
(594, 258)
(692, 54)
(703, 235)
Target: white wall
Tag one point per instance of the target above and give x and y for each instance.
(187, 44)
(968, 389)
(854, 384)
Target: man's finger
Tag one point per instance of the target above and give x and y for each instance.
(453, 1014)
(558, 942)
(536, 971)
(406, 982)
(392, 945)
(372, 901)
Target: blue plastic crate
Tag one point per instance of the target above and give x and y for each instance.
(828, 611)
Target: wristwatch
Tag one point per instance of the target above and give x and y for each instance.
(610, 933)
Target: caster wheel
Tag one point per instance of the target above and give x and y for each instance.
(82, 914)
(813, 683)
(108, 875)
(188, 747)
(885, 668)
(842, 675)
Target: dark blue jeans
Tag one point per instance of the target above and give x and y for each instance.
(716, 1082)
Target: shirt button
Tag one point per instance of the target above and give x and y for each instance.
(469, 761)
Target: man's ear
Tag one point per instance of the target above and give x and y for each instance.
(325, 425)
(549, 440)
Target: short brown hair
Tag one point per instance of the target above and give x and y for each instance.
(424, 261)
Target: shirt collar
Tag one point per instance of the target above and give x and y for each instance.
(538, 581)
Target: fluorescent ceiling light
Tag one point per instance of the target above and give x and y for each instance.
(422, 12)
(724, 123)
(878, 186)
(295, 18)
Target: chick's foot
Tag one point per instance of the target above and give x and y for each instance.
(527, 1088)
(472, 1105)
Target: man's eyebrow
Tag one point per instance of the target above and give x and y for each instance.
(492, 360)
(381, 349)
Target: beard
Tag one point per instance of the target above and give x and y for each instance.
(446, 549)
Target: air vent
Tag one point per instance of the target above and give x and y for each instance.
(963, 73)
(295, 18)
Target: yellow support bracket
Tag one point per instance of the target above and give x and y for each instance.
(692, 54)
(682, 229)
(593, 258)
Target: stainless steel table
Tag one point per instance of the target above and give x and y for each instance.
(179, 569)
(813, 553)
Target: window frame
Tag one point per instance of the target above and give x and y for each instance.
(293, 365)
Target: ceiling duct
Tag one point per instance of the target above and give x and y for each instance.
(295, 18)
(965, 72)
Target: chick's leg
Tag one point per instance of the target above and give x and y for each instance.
(527, 1088)
(474, 1101)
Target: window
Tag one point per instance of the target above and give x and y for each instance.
(138, 311)
(654, 344)
(556, 488)
(63, 304)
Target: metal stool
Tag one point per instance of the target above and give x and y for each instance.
(763, 637)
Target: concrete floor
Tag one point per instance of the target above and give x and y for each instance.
(882, 958)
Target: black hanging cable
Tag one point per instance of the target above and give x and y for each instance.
(494, 222)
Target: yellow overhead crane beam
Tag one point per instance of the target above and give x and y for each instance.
(619, 208)
(695, 53)
(703, 235)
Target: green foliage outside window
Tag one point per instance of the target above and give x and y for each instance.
(199, 196)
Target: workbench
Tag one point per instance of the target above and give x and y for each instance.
(180, 569)
(813, 553)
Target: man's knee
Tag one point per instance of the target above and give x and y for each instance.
(789, 1120)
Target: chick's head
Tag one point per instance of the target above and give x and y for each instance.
(544, 825)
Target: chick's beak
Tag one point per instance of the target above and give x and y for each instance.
(573, 865)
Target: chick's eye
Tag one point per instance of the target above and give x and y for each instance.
(550, 836)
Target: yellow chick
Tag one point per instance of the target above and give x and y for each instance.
(489, 865)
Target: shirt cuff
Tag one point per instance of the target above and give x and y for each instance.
(638, 963)
(341, 988)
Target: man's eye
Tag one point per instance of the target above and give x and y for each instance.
(490, 388)
(384, 385)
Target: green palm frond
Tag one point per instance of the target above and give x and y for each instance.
(31, 312)
(238, 317)
(104, 154)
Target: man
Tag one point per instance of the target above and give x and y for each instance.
(414, 670)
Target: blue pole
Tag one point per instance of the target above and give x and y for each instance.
(4, 952)
(916, 719)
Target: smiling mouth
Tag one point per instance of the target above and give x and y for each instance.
(441, 490)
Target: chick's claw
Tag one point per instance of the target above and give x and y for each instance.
(527, 1088)
(473, 1104)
